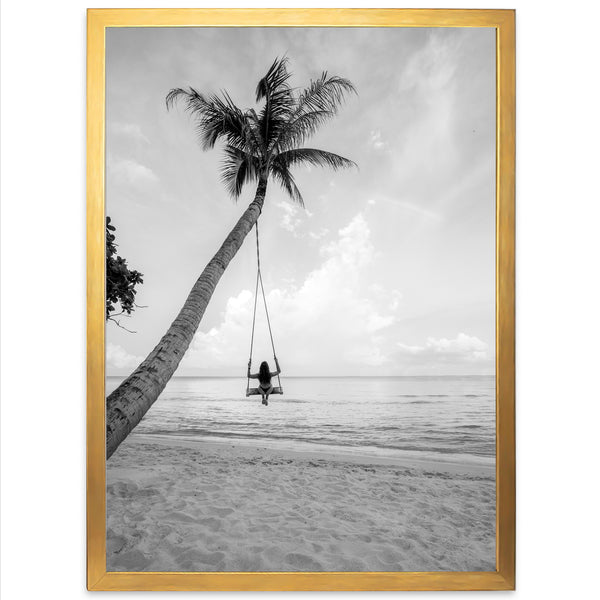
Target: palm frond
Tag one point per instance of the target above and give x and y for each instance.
(278, 98)
(315, 105)
(283, 175)
(313, 156)
(254, 130)
(216, 117)
(298, 129)
(325, 93)
(276, 79)
(237, 169)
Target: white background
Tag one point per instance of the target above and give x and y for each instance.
(43, 296)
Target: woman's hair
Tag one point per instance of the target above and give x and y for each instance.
(264, 373)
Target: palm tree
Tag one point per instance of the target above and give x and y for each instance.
(257, 145)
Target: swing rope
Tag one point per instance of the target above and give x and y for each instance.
(260, 281)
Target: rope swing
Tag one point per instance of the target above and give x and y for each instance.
(255, 391)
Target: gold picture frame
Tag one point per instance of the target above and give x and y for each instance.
(503, 578)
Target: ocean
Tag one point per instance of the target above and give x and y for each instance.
(430, 418)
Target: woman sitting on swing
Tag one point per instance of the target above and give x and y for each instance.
(264, 375)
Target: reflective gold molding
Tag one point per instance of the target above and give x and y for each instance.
(504, 576)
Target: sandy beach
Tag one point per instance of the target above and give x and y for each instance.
(186, 505)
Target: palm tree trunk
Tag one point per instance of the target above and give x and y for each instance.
(126, 406)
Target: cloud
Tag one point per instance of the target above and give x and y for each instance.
(126, 170)
(129, 130)
(317, 235)
(119, 358)
(330, 323)
(289, 219)
(375, 140)
(463, 348)
(470, 347)
(395, 301)
(293, 217)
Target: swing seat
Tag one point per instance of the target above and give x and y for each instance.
(256, 391)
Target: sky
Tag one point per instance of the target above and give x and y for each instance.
(390, 268)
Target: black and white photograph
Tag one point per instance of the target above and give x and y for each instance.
(300, 299)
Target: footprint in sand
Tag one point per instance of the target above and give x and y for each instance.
(138, 516)
(122, 489)
(181, 517)
(163, 530)
(302, 562)
(247, 562)
(351, 564)
(147, 492)
(195, 555)
(211, 488)
(211, 523)
(405, 544)
(134, 560)
(221, 512)
(114, 543)
(390, 557)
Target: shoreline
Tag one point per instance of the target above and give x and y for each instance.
(451, 463)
